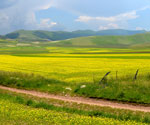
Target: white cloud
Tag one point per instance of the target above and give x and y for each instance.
(144, 8)
(140, 28)
(46, 24)
(119, 21)
(109, 26)
(84, 19)
(120, 17)
(20, 14)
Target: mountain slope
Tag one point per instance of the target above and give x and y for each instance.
(38, 35)
(138, 40)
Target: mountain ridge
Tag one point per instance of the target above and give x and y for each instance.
(133, 41)
(41, 35)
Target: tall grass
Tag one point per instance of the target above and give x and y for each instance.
(30, 81)
(121, 89)
(125, 88)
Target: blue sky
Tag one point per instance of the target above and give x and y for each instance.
(72, 15)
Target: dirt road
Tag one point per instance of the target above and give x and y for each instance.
(81, 100)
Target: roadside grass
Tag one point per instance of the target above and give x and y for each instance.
(123, 89)
(74, 108)
(31, 81)
(133, 92)
(13, 113)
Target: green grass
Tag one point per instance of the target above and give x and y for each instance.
(126, 90)
(123, 89)
(31, 81)
(23, 50)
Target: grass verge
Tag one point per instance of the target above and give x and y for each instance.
(73, 108)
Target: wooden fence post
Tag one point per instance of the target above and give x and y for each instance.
(104, 77)
(135, 77)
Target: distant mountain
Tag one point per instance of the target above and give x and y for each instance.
(39, 35)
(2, 37)
(138, 40)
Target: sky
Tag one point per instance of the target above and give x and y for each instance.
(70, 15)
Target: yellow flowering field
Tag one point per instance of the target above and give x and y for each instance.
(76, 68)
(12, 114)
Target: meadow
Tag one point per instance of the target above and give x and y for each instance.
(78, 71)
(73, 71)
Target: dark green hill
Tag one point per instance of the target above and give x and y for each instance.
(38, 35)
(138, 40)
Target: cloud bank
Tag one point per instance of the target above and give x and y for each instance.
(72, 15)
(113, 22)
(20, 14)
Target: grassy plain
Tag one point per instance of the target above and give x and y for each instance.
(74, 71)
(68, 69)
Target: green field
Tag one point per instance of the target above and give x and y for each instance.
(67, 69)
(74, 71)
